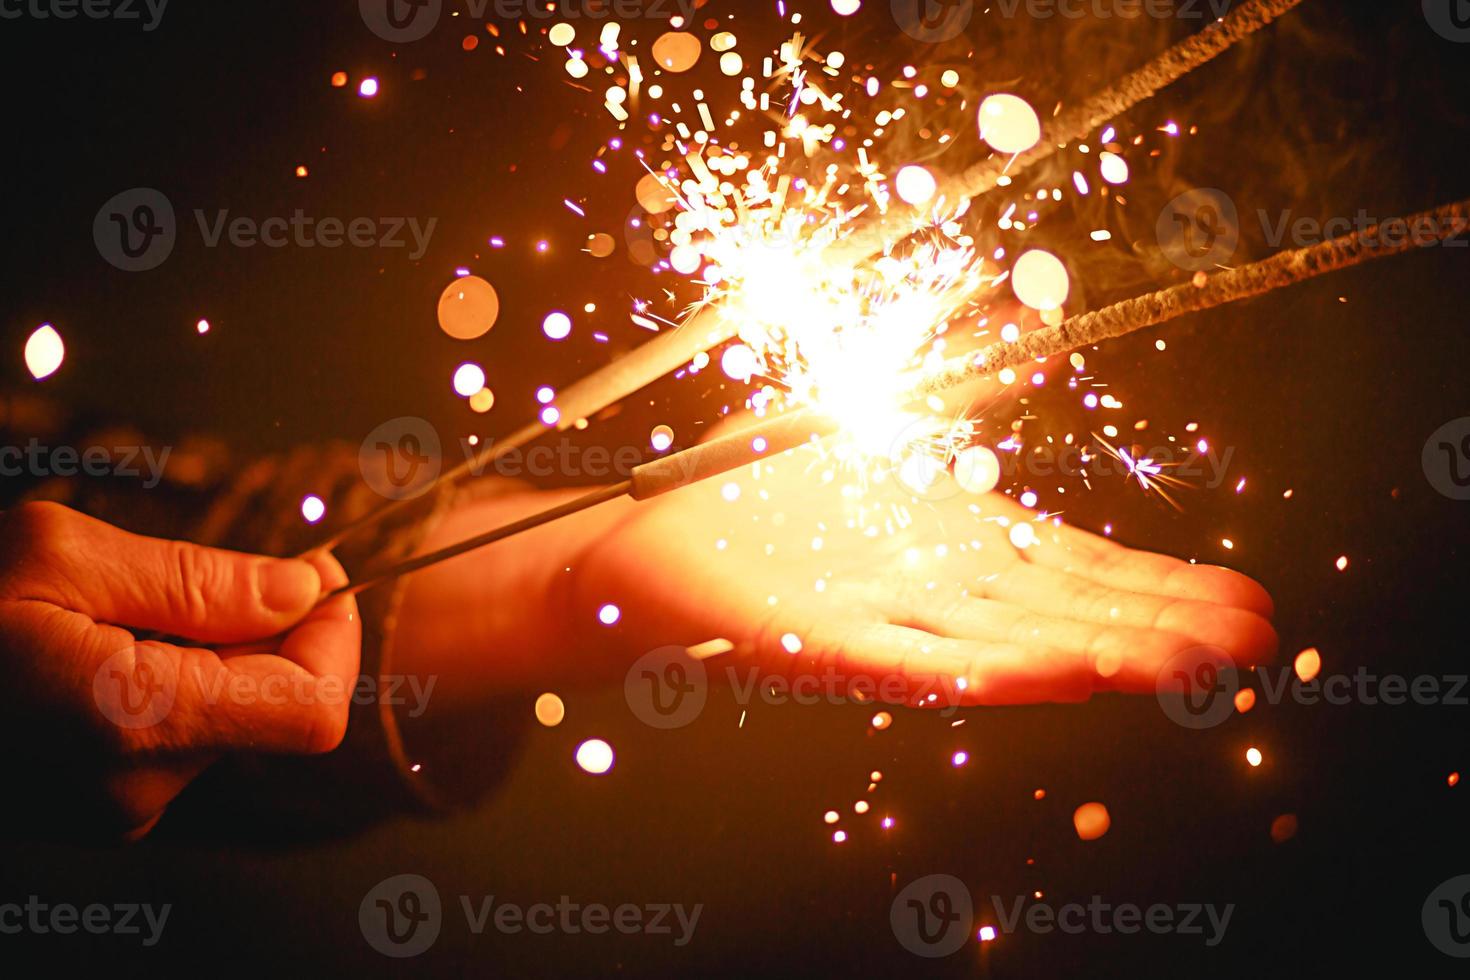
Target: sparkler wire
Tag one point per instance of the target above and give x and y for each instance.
(1416, 231)
(650, 480)
(794, 429)
(1138, 86)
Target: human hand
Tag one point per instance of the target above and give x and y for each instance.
(880, 585)
(125, 725)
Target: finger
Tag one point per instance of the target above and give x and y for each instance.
(173, 587)
(291, 698)
(168, 701)
(1246, 635)
(328, 641)
(326, 646)
(965, 671)
(1122, 658)
(1107, 562)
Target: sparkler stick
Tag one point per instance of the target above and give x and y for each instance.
(646, 482)
(788, 431)
(482, 459)
(873, 234)
(1283, 269)
(1128, 92)
(593, 393)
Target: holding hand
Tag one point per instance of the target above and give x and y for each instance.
(126, 725)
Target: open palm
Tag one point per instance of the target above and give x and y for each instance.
(800, 567)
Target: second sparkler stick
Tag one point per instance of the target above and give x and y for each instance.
(654, 479)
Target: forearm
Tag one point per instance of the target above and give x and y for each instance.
(501, 618)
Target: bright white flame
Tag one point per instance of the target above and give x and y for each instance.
(916, 185)
(469, 379)
(1009, 124)
(313, 509)
(977, 469)
(1114, 168)
(739, 362)
(44, 352)
(595, 756)
(1040, 280)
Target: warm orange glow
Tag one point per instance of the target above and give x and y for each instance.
(677, 51)
(1092, 820)
(1308, 664)
(468, 308)
(550, 710)
(1284, 828)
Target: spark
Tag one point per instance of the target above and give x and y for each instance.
(1150, 475)
(44, 352)
(595, 756)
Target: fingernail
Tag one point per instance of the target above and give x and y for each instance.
(288, 586)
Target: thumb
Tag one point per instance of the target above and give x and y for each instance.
(204, 594)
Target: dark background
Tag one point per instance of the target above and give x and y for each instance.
(1337, 108)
